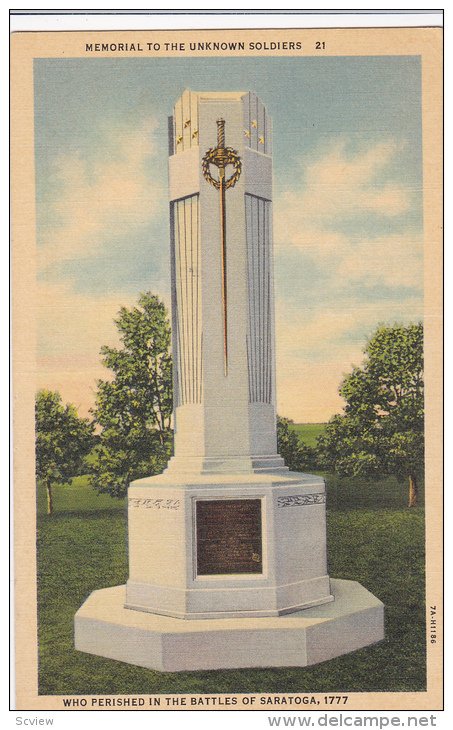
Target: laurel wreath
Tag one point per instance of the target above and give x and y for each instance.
(232, 158)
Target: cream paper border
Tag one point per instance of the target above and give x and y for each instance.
(25, 46)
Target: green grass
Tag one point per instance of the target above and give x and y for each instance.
(308, 432)
(78, 497)
(82, 547)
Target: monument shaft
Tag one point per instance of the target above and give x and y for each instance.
(220, 170)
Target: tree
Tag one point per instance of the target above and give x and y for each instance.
(134, 409)
(297, 455)
(63, 440)
(381, 431)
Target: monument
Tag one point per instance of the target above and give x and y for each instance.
(227, 548)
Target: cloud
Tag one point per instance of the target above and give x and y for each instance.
(96, 200)
(341, 213)
(344, 268)
(72, 328)
(317, 346)
(395, 260)
(314, 332)
(108, 194)
(334, 184)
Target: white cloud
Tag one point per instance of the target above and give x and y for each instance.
(335, 184)
(110, 194)
(319, 217)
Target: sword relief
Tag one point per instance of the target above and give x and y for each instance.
(221, 157)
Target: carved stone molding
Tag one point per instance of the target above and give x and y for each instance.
(300, 500)
(154, 503)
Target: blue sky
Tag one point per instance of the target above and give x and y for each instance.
(347, 206)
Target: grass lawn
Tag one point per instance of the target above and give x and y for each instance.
(374, 540)
(308, 432)
(78, 497)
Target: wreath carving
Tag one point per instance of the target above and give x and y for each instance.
(221, 157)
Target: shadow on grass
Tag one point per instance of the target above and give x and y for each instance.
(361, 493)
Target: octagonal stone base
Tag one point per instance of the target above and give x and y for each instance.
(288, 539)
(104, 627)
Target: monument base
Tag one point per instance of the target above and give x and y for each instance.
(104, 627)
(207, 546)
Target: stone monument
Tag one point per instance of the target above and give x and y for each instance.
(227, 548)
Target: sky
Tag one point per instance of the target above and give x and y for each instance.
(348, 244)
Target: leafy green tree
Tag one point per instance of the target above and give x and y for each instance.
(381, 430)
(134, 409)
(63, 440)
(297, 455)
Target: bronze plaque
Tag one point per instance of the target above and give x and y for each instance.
(229, 536)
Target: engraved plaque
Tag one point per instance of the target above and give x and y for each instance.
(229, 536)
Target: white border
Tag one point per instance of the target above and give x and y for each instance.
(162, 20)
(196, 719)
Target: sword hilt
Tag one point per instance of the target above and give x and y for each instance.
(221, 156)
(221, 133)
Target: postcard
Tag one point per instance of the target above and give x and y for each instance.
(227, 348)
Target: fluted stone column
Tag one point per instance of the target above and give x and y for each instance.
(225, 417)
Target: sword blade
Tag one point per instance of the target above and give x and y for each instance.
(223, 256)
